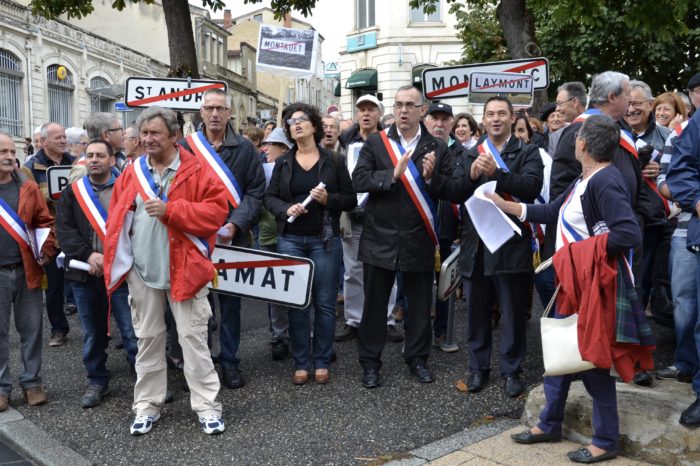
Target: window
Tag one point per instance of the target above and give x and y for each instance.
(364, 13)
(418, 16)
(10, 93)
(60, 85)
(98, 102)
(258, 18)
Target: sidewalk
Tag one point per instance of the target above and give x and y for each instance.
(499, 449)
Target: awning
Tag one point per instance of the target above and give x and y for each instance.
(417, 74)
(111, 92)
(336, 92)
(362, 79)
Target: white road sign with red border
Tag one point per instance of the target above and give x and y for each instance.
(175, 94)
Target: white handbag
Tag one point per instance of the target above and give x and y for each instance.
(560, 343)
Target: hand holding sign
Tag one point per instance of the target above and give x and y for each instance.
(401, 166)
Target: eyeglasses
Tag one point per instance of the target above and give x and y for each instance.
(637, 103)
(695, 90)
(217, 108)
(81, 143)
(564, 101)
(407, 105)
(299, 119)
(115, 129)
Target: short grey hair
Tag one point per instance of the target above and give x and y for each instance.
(217, 92)
(130, 128)
(604, 84)
(602, 136)
(411, 87)
(337, 122)
(168, 116)
(98, 123)
(44, 131)
(73, 134)
(648, 95)
(575, 89)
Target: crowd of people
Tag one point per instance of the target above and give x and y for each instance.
(608, 175)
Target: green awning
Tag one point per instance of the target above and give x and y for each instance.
(362, 79)
(417, 74)
(336, 92)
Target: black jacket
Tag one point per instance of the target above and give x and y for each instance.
(331, 170)
(74, 232)
(449, 222)
(38, 165)
(243, 159)
(523, 182)
(394, 235)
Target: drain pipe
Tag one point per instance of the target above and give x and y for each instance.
(30, 93)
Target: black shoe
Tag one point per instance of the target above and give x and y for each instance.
(370, 378)
(643, 379)
(513, 386)
(672, 372)
(691, 416)
(93, 396)
(528, 438)
(280, 350)
(477, 380)
(346, 334)
(393, 335)
(584, 455)
(421, 372)
(168, 396)
(233, 378)
(334, 355)
(70, 309)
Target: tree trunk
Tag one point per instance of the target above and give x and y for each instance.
(183, 55)
(518, 25)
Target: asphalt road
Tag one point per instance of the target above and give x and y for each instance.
(271, 421)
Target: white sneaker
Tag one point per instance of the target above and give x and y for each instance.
(212, 424)
(143, 424)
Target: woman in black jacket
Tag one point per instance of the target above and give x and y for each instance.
(310, 231)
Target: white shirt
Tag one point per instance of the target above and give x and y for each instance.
(413, 143)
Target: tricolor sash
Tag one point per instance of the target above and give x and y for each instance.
(201, 147)
(14, 225)
(149, 189)
(626, 139)
(650, 183)
(413, 182)
(90, 205)
(568, 233)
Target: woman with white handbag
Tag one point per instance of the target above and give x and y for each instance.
(596, 203)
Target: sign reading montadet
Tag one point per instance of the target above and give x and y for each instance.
(291, 52)
(175, 94)
(453, 81)
(267, 276)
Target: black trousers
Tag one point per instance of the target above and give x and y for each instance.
(512, 293)
(371, 335)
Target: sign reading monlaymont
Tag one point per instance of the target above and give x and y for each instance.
(292, 51)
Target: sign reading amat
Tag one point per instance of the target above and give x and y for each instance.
(57, 179)
(453, 81)
(175, 94)
(267, 276)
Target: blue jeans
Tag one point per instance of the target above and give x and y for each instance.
(230, 337)
(121, 311)
(683, 267)
(323, 292)
(544, 284)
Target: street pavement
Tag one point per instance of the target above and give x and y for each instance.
(271, 421)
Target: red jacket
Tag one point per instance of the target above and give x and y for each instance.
(34, 212)
(196, 205)
(588, 279)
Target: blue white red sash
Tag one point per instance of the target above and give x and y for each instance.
(626, 139)
(90, 205)
(201, 147)
(568, 232)
(149, 189)
(14, 225)
(413, 182)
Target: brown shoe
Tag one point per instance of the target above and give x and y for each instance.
(4, 402)
(300, 377)
(322, 376)
(35, 396)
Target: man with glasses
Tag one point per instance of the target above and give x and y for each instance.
(404, 169)
(106, 126)
(242, 159)
(132, 144)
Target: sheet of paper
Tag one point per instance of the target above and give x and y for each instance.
(268, 172)
(79, 265)
(493, 226)
(37, 238)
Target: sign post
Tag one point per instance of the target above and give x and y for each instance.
(175, 94)
(57, 179)
(453, 81)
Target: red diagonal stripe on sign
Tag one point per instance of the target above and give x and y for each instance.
(257, 264)
(517, 69)
(504, 83)
(172, 95)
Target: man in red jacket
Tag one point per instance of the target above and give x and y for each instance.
(167, 197)
(23, 214)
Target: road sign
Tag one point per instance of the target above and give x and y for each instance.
(121, 107)
(449, 276)
(515, 86)
(267, 276)
(453, 81)
(175, 94)
(57, 179)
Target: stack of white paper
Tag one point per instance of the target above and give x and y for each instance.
(493, 226)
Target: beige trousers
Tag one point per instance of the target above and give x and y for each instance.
(191, 316)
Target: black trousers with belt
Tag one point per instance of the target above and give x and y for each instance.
(371, 336)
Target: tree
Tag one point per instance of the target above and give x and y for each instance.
(183, 56)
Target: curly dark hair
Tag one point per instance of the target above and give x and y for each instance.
(314, 117)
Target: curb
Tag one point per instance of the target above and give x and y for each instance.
(33, 442)
(452, 443)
